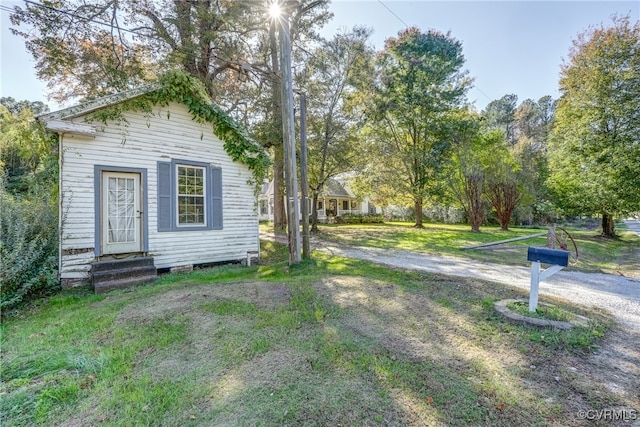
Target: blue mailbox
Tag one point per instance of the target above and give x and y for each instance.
(548, 256)
(558, 259)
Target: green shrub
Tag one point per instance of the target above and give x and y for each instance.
(28, 247)
(351, 218)
(372, 219)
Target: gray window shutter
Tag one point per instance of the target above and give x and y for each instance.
(216, 198)
(165, 211)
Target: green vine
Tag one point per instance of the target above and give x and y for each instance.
(177, 86)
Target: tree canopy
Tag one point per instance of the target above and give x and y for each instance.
(420, 84)
(28, 156)
(595, 150)
(90, 49)
(332, 75)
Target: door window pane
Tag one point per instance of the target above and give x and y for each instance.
(121, 210)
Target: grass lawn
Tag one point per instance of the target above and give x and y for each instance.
(326, 342)
(618, 256)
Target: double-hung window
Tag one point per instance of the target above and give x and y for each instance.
(189, 196)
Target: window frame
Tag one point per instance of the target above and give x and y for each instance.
(203, 196)
(167, 192)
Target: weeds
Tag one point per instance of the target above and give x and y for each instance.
(328, 341)
(542, 311)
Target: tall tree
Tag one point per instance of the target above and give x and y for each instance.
(595, 150)
(333, 72)
(473, 154)
(547, 111)
(89, 49)
(504, 184)
(420, 84)
(500, 114)
(533, 120)
(306, 16)
(28, 157)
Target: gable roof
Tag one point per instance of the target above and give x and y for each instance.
(96, 104)
(333, 188)
(173, 86)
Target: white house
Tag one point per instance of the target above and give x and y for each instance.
(146, 191)
(337, 198)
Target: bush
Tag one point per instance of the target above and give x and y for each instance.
(351, 218)
(28, 247)
(372, 219)
(443, 214)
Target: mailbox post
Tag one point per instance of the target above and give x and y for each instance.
(558, 260)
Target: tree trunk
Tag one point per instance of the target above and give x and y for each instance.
(314, 213)
(476, 217)
(505, 220)
(418, 213)
(608, 226)
(279, 217)
(505, 198)
(473, 193)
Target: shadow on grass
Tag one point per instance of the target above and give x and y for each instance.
(324, 342)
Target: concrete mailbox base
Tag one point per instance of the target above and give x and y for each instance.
(502, 309)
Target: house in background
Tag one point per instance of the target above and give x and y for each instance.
(336, 199)
(149, 190)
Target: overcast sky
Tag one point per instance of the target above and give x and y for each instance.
(510, 46)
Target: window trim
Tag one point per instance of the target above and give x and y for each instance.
(167, 202)
(204, 196)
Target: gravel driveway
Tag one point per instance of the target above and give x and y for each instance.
(617, 294)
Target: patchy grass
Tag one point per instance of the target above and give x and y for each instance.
(618, 256)
(329, 341)
(542, 311)
(272, 253)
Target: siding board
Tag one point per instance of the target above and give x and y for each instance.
(145, 141)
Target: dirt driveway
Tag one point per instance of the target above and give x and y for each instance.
(617, 294)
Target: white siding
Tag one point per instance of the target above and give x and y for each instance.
(169, 133)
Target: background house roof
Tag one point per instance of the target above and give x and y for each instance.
(332, 188)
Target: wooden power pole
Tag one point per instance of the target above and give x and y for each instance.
(304, 185)
(288, 128)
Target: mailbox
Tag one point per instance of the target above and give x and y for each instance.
(548, 256)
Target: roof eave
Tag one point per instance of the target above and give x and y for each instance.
(96, 104)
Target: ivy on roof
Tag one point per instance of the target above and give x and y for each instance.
(178, 86)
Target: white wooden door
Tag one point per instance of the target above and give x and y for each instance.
(121, 213)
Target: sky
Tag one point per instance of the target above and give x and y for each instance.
(511, 47)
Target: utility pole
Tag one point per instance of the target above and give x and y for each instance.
(304, 185)
(288, 127)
